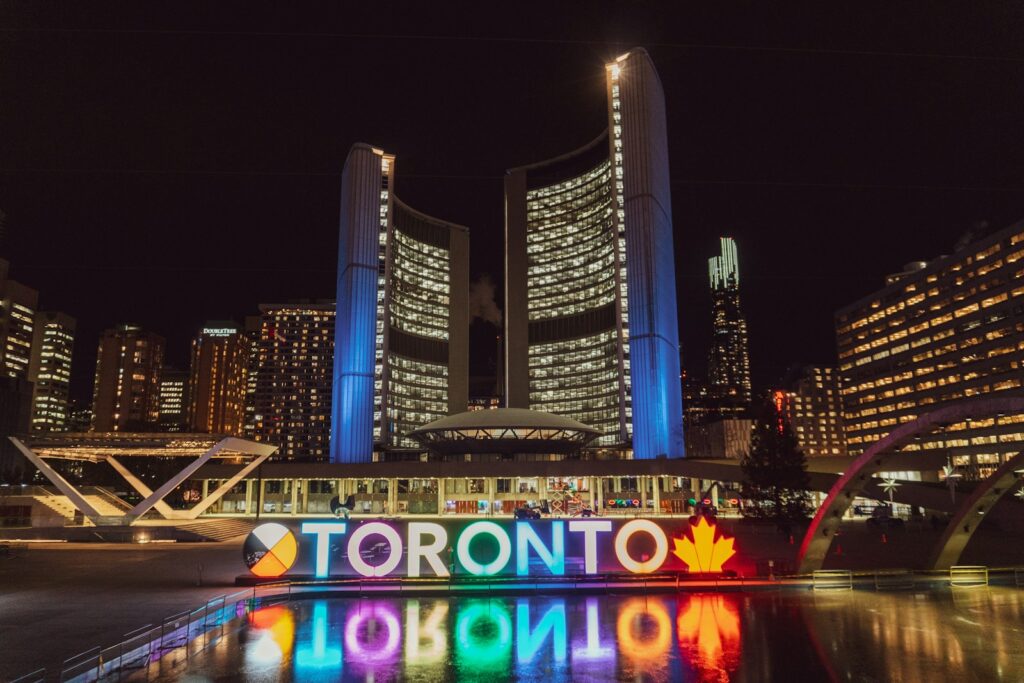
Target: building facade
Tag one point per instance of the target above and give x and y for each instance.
(217, 381)
(939, 332)
(17, 324)
(53, 341)
(811, 402)
(729, 357)
(291, 398)
(126, 392)
(174, 400)
(591, 327)
(402, 352)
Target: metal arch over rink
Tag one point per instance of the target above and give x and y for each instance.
(108, 447)
(970, 513)
(858, 476)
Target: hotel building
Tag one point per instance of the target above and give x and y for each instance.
(50, 371)
(217, 382)
(939, 332)
(291, 398)
(402, 353)
(591, 329)
(126, 393)
(811, 403)
(729, 357)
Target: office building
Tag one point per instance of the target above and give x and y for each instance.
(591, 329)
(53, 341)
(402, 353)
(939, 332)
(292, 394)
(217, 381)
(811, 403)
(126, 393)
(729, 358)
(17, 324)
(174, 400)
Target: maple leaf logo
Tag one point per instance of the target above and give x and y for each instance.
(704, 554)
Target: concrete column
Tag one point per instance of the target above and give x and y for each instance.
(492, 493)
(440, 496)
(249, 486)
(594, 483)
(294, 485)
(656, 484)
(643, 480)
(714, 495)
(392, 497)
(305, 496)
(599, 493)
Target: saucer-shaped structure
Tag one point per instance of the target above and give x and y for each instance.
(504, 430)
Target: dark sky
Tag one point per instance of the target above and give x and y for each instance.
(169, 164)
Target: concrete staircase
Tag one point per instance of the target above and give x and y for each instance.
(218, 529)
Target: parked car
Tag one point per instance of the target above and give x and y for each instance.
(885, 522)
(526, 513)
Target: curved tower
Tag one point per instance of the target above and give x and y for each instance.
(591, 324)
(402, 330)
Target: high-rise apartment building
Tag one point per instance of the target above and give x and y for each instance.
(591, 327)
(292, 395)
(402, 353)
(217, 382)
(811, 402)
(50, 371)
(729, 358)
(18, 304)
(174, 400)
(126, 394)
(937, 333)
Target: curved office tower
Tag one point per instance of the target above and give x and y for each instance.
(402, 333)
(591, 323)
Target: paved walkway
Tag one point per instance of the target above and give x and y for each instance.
(57, 600)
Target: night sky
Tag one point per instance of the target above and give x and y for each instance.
(165, 165)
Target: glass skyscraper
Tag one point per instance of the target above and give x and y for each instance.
(591, 323)
(729, 359)
(402, 335)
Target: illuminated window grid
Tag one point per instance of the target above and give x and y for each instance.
(949, 333)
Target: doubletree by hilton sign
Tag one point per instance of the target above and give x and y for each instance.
(327, 548)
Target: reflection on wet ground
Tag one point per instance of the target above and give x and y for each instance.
(963, 635)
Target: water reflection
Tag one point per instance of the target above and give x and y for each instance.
(706, 637)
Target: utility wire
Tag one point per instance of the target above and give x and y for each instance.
(522, 40)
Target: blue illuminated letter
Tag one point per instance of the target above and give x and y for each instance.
(553, 558)
(323, 531)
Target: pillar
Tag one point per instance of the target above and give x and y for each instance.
(294, 486)
(440, 496)
(642, 481)
(392, 497)
(656, 484)
(305, 496)
(249, 485)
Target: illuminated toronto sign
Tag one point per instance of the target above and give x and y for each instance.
(325, 548)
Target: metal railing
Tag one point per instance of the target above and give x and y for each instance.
(185, 634)
(832, 579)
(900, 579)
(967, 576)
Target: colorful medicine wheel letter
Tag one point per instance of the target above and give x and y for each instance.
(270, 550)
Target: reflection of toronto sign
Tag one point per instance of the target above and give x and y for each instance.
(323, 548)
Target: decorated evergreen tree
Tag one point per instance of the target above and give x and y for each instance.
(775, 469)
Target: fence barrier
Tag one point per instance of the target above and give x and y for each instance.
(966, 576)
(894, 580)
(832, 579)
